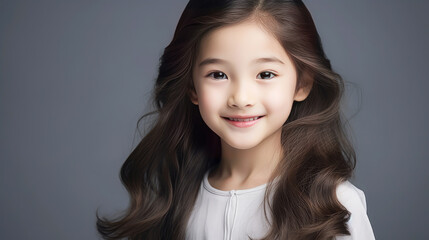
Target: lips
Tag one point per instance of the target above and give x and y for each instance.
(243, 121)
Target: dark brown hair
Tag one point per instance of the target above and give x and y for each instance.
(164, 172)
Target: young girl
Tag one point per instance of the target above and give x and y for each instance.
(248, 142)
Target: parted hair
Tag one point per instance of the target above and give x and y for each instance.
(164, 171)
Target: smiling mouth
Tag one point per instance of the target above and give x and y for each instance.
(243, 119)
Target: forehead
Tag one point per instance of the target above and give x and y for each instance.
(240, 42)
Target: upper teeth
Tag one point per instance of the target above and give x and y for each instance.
(243, 119)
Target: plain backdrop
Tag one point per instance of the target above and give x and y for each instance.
(75, 76)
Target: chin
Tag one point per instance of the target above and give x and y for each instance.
(240, 144)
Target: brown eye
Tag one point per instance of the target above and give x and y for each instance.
(266, 75)
(217, 75)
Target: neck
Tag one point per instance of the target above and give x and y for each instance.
(257, 162)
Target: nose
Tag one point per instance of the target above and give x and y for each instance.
(242, 95)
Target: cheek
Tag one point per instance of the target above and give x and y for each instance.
(209, 101)
(279, 101)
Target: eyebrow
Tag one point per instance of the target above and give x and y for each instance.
(208, 61)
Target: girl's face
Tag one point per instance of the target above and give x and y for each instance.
(241, 71)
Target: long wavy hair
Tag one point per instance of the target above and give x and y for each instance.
(164, 172)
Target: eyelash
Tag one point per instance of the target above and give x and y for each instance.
(212, 73)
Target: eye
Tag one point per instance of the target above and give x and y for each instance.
(218, 75)
(266, 75)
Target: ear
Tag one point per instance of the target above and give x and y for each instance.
(193, 96)
(304, 87)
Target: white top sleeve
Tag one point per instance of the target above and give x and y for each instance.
(353, 199)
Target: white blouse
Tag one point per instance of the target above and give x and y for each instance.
(232, 215)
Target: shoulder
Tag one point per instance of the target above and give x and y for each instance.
(351, 196)
(353, 199)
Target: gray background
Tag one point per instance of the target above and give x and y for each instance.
(76, 75)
